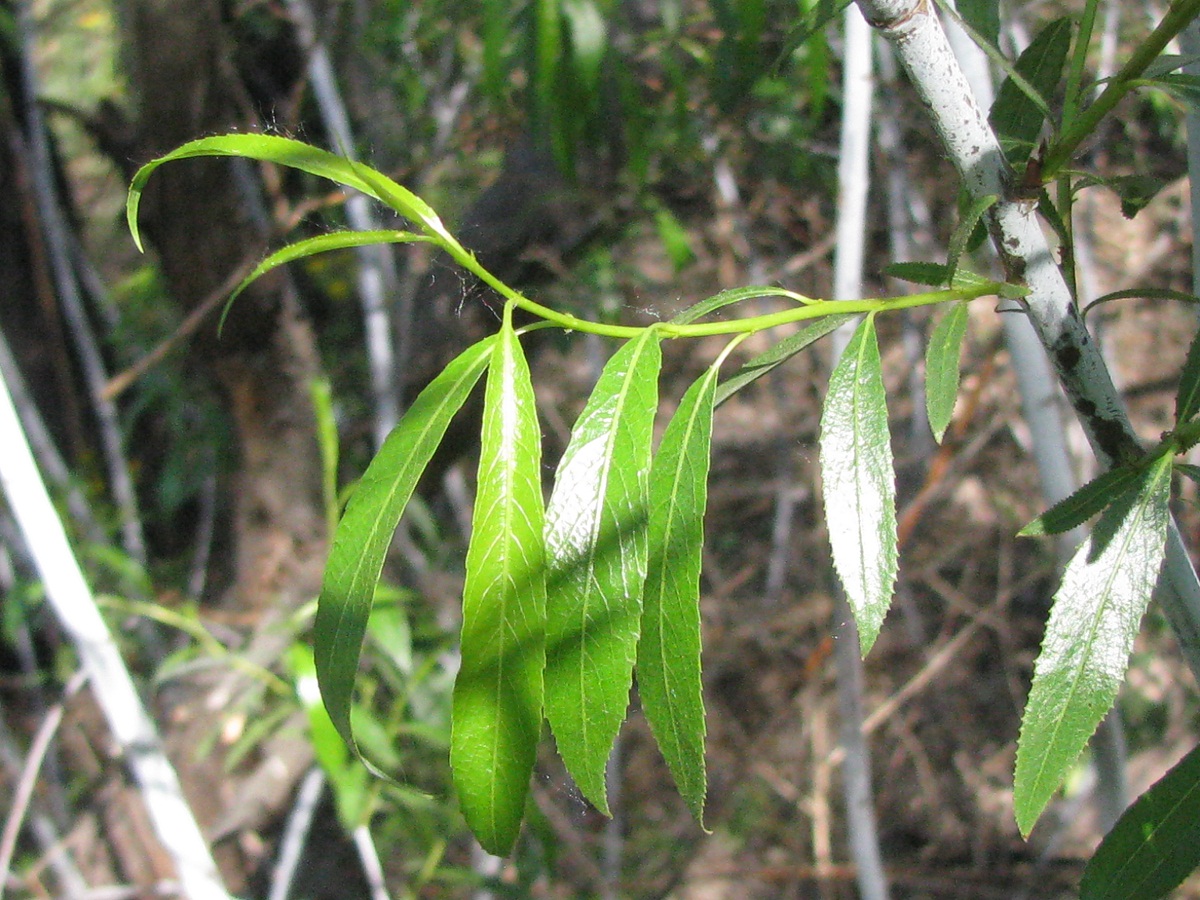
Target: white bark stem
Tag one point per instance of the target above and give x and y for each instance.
(914, 30)
(133, 731)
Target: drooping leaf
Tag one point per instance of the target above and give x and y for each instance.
(1154, 845)
(1187, 397)
(1084, 503)
(1089, 637)
(1180, 85)
(760, 365)
(498, 691)
(730, 296)
(365, 531)
(1141, 293)
(596, 549)
(1017, 116)
(860, 485)
(668, 659)
(942, 368)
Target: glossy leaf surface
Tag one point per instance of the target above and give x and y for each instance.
(668, 664)
(1088, 500)
(1089, 637)
(860, 490)
(498, 692)
(942, 368)
(596, 549)
(1154, 845)
(365, 531)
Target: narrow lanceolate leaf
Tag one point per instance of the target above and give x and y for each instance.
(1088, 500)
(1187, 398)
(668, 661)
(323, 243)
(1089, 637)
(942, 368)
(766, 361)
(1154, 845)
(362, 537)
(498, 691)
(596, 547)
(1018, 114)
(860, 484)
(734, 295)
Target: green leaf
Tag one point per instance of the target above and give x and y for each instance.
(589, 40)
(818, 16)
(1180, 85)
(365, 532)
(306, 158)
(860, 484)
(972, 220)
(1089, 636)
(1187, 397)
(760, 365)
(596, 549)
(668, 665)
(1084, 503)
(936, 275)
(498, 692)
(1154, 845)
(322, 243)
(710, 305)
(1188, 471)
(674, 238)
(942, 368)
(983, 16)
(1017, 116)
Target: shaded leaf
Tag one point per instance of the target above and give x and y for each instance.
(1017, 116)
(760, 365)
(596, 552)
(668, 666)
(1073, 511)
(983, 16)
(860, 489)
(365, 531)
(498, 691)
(1154, 845)
(1089, 636)
(966, 232)
(1187, 397)
(942, 368)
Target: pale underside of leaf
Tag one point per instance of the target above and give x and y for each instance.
(596, 546)
(859, 484)
(1089, 637)
(497, 712)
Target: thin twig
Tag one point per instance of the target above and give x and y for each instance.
(25, 784)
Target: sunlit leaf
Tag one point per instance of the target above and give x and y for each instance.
(365, 531)
(860, 489)
(942, 368)
(1089, 637)
(498, 692)
(596, 548)
(1154, 845)
(1084, 503)
(668, 666)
